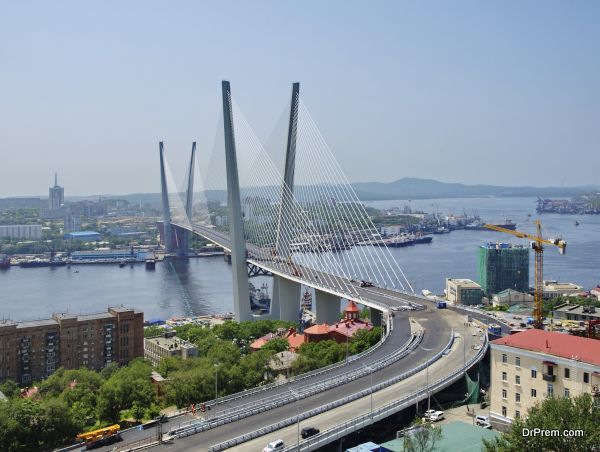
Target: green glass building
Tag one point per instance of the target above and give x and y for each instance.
(503, 266)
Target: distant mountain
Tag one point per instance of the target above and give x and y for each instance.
(413, 188)
(406, 188)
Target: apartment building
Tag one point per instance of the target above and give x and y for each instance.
(527, 367)
(31, 351)
(168, 345)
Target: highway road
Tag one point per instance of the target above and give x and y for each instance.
(438, 325)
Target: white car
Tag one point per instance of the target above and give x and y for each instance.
(481, 420)
(274, 446)
(428, 413)
(436, 416)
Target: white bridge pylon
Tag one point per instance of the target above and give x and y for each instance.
(306, 224)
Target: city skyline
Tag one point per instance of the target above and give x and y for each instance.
(464, 93)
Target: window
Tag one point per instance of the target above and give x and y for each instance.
(517, 397)
(533, 393)
(504, 411)
(567, 393)
(586, 377)
(518, 361)
(550, 390)
(517, 379)
(517, 414)
(504, 358)
(504, 393)
(567, 372)
(533, 373)
(504, 378)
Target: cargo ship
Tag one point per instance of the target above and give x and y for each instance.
(52, 262)
(259, 298)
(41, 263)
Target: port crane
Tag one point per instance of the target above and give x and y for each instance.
(537, 243)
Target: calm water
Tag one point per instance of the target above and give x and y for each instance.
(203, 286)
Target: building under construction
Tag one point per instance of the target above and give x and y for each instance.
(503, 266)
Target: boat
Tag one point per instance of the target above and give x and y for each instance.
(306, 302)
(150, 264)
(576, 223)
(259, 298)
(423, 239)
(122, 264)
(4, 261)
(41, 263)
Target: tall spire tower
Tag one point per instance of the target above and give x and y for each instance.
(56, 195)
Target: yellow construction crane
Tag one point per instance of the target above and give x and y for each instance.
(537, 243)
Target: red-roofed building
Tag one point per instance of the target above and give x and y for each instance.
(527, 367)
(317, 333)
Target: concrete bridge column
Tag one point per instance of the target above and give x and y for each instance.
(285, 304)
(241, 295)
(375, 315)
(328, 307)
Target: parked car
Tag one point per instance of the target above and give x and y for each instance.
(480, 420)
(307, 432)
(274, 446)
(428, 413)
(436, 416)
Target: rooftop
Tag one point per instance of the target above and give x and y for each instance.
(170, 342)
(317, 329)
(577, 309)
(350, 328)
(501, 246)
(556, 344)
(82, 233)
(466, 283)
(455, 436)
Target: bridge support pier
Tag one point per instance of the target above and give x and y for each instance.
(285, 303)
(328, 307)
(375, 316)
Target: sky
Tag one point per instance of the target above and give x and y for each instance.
(503, 93)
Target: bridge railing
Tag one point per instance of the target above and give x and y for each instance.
(331, 405)
(306, 375)
(366, 419)
(251, 409)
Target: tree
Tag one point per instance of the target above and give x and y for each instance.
(276, 345)
(554, 414)
(423, 437)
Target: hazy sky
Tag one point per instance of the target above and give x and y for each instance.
(477, 92)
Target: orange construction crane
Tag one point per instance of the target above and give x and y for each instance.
(537, 243)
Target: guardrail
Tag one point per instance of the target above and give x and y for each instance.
(329, 406)
(283, 399)
(366, 419)
(311, 374)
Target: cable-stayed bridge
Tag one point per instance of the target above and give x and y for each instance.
(301, 222)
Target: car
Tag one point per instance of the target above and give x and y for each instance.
(436, 416)
(480, 420)
(307, 432)
(428, 413)
(274, 446)
(366, 284)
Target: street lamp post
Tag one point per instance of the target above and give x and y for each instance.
(370, 369)
(427, 386)
(216, 385)
(297, 396)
